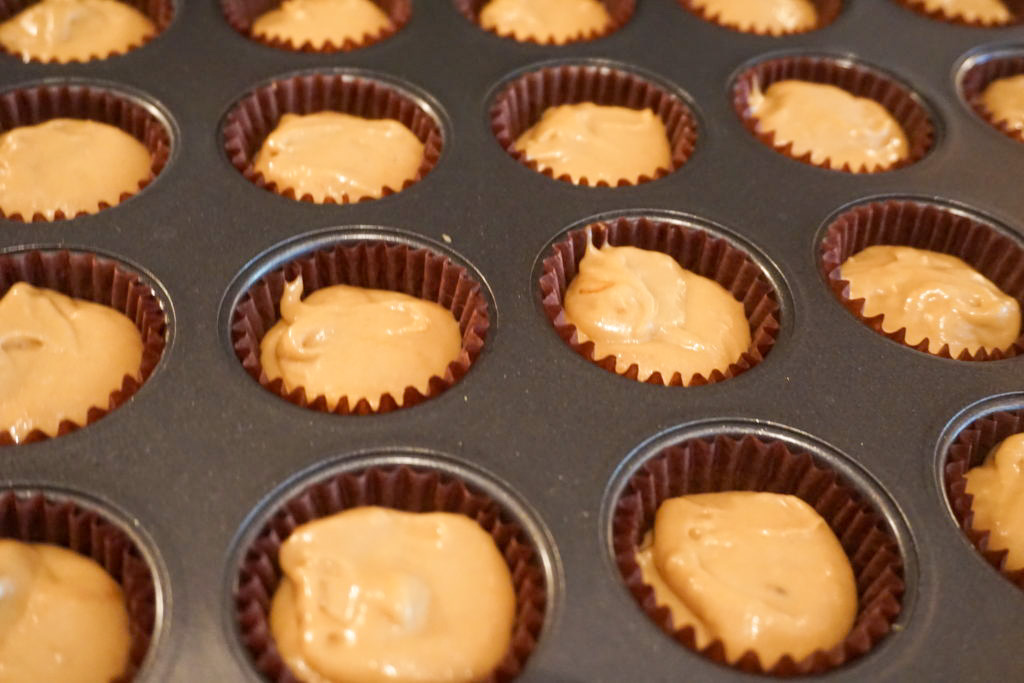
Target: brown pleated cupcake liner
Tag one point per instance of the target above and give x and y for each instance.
(858, 80)
(695, 250)
(240, 15)
(33, 105)
(412, 489)
(1016, 8)
(748, 463)
(255, 117)
(377, 265)
(970, 449)
(82, 275)
(33, 517)
(827, 11)
(620, 12)
(160, 12)
(522, 102)
(929, 226)
(979, 76)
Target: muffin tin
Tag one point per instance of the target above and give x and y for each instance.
(195, 460)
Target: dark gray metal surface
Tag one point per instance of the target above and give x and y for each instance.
(195, 451)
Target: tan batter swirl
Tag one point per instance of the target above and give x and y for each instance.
(360, 343)
(75, 30)
(546, 21)
(334, 155)
(62, 617)
(68, 165)
(373, 595)
(643, 307)
(59, 357)
(998, 507)
(986, 11)
(319, 22)
(934, 296)
(597, 142)
(1004, 98)
(830, 123)
(760, 571)
(761, 16)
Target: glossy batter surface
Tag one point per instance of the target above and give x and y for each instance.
(597, 142)
(333, 155)
(59, 357)
(62, 617)
(760, 571)
(934, 296)
(360, 343)
(554, 21)
(70, 30)
(830, 123)
(374, 595)
(319, 22)
(68, 165)
(986, 11)
(642, 307)
(1004, 97)
(998, 489)
(762, 16)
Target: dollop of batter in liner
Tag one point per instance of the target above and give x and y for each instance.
(62, 617)
(934, 296)
(997, 486)
(1004, 98)
(374, 595)
(319, 22)
(830, 123)
(642, 307)
(986, 11)
(333, 155)
(70, 30)
(597, 142)
(556, 21)
(68, 165)
(762, 16)
(759, 571)
(360, 343)
(59, 357)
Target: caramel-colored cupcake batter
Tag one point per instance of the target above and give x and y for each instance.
(934, 296)
(546, 21)
(75, 30)
(761, 16)
(319, 22)
(597, 142)
(760, 571)
(59, 357)
(329, 155)
(998, 507)
(359, 343)
(830, 123)
(62, 617)
(643, 307)
(68, 165)
(374, 595)
(986, 11)
(1004, 98)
